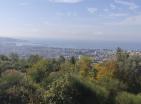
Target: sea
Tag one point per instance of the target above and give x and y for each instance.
(87, 44)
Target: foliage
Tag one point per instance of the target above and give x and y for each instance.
(84, 65)
(73, 90)
(39, 70)
(106, 69)
(129, 70)
(127, 98)
(37, 80)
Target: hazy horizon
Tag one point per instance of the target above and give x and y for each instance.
(78, 44)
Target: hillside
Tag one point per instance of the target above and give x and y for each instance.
(37, 80)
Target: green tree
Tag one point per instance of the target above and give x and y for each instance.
(39, 71)
(84, 65)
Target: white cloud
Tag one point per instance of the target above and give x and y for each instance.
(112, 6)
(129, 21)
(131, 5)
(92, 10)
(118, 14)
(65, 1)
(69, 14)
(133, 20)
(60, 14)
(106, 10)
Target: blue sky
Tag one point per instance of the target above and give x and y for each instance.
(109, 20)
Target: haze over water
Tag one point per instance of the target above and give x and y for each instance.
(87, 44)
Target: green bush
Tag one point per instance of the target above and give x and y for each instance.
(70, 90)
(127, 98)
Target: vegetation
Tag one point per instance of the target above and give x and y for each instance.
(36, 80)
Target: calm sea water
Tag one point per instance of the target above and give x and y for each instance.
(89, 44)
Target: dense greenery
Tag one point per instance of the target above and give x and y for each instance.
(37, 80)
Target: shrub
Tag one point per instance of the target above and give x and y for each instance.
(127, 98)
(71, 90)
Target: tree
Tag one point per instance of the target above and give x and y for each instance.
(39, 71)
(128, 70)
(106, 69)
(4, 58)
(61, 59)
(84, 65)
(73, 60)
(34, 59)
(128, 98)
(14, 57)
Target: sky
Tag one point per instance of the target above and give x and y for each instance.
(108, 20)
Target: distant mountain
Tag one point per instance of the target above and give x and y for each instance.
(6, 39)
(6, 42)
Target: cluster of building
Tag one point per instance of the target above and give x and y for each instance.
(50, 52)
(8, 46)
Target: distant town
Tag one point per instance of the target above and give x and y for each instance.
(25, 49)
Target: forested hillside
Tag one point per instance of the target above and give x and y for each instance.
(37, 80)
